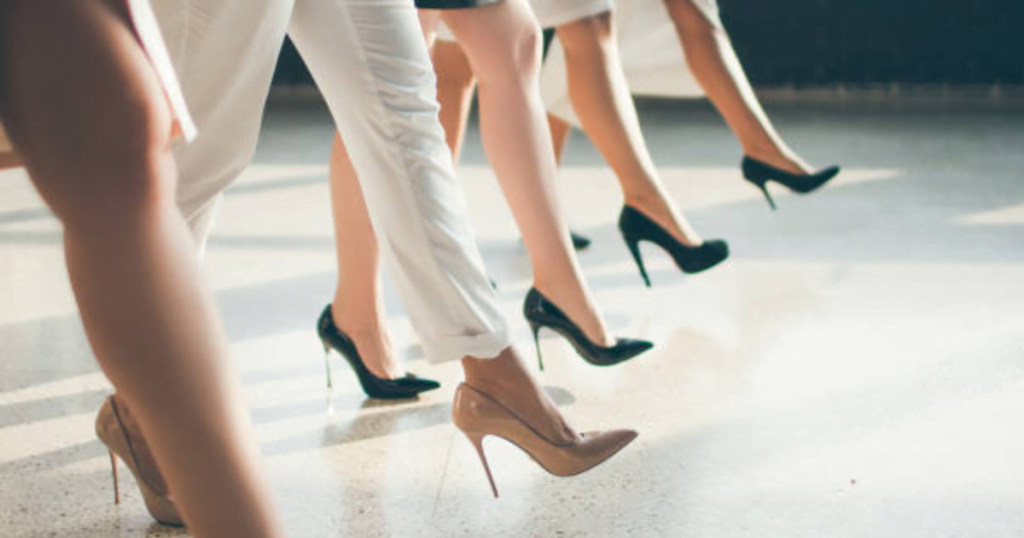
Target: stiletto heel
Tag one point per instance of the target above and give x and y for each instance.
(760, 173)
(634, 248)
(540, 312)
(375, 387)
(327, 365)
(113, 474)
(636, 227)
(478, 414)
(536, 342)
(767, 195)
(116, 429)
(477, 440)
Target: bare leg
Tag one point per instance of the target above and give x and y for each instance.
(560, 132)
(601, 97)
(502, 42)
(106, 172)
(713, 61)
(505, 377)
(358, 306)
(455, 87)
(505, 374)
(456, 84)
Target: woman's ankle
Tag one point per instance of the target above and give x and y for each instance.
(507, 379)
(369, 333)
(638, 200)
(499, 373)
(357, 320)
(782, 158)
(576, 304)
(662, 212)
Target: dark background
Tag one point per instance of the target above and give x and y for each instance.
(807, 43)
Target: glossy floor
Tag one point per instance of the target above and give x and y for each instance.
(856, 369)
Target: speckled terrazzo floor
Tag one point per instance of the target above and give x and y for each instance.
(856, 369)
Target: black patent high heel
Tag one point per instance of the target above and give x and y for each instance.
(541, 313)
(637, 227)
(374, 387)
(760, 173)
(579, 241)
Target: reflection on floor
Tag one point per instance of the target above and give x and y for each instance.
(855, 369)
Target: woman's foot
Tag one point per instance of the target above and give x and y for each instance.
(783, 159)
(664, 213)
(118, 430)
(506, 379)
(577, 305)
(371, 339)
(541, 313)
(374, 385)
(500, 398)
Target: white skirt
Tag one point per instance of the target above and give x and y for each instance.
(652, 57)
(551, 13)
(152, 43)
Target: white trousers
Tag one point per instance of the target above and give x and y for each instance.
(370, 61)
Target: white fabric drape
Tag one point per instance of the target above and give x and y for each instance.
(371, 64)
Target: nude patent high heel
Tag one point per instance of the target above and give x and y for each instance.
(477, 415)
(116, 429)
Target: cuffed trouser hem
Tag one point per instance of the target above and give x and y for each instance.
(482, 346)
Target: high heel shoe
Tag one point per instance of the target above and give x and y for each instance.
(579, 241)
(118, 431)
(374, 387)
(540, 313)
(760, 173)
(477, 415)
(637, 227)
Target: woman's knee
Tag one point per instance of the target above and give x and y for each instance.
(693, 14)
(688, 5)
(107, 166)
(528, 45)
(587, 33)
(452, 66)
(126, 175)
(91, 156)
(513, 53)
